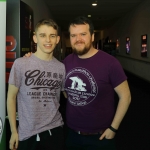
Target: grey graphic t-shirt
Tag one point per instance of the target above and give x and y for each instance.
(39, 83)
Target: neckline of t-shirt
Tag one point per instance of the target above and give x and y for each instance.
(44, 61)
(88, 57)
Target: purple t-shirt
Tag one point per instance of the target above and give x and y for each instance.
(90, 87)
(39, 83)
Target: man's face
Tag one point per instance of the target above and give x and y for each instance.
(81, 39)
(46, 39)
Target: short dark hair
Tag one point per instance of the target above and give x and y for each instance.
(82, 20)
(48, 22)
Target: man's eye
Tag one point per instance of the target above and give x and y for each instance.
(72, 35)
(52, 36)
(83, 34)
(42, 35)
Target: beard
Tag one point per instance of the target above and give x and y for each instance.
(83, 51)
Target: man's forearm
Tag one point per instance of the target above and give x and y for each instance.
(11, 109)
(120, 112)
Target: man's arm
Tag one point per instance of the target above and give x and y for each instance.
(65, 94)
(124, 101)
(27, 54)
(11, 109)
(124, 95)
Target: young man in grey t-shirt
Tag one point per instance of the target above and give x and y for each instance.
(36, 83)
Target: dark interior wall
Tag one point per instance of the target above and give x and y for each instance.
(133, 25)
(37, 6)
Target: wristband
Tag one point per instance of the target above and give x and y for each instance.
(113, 129)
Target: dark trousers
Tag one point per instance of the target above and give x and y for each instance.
(77, 141)
(47, 141)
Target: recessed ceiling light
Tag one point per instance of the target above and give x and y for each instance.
(94, 3)
(89, 15)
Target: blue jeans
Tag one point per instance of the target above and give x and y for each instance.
(77, 141)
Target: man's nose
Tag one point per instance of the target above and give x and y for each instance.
(78, 37)
(48, 39)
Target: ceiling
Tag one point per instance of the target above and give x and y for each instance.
(103, 15)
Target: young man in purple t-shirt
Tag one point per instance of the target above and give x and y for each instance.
(92, 76)
(36, 82)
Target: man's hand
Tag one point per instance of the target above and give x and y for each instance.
(108, 134)
(27, 54)
(13, 143)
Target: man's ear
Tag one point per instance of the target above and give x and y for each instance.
(34, 38)
(58, 38)
(92, 37)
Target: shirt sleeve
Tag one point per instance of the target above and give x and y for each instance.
(116, 74)
(14, 77)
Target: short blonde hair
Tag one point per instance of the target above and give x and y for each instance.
(48, 22)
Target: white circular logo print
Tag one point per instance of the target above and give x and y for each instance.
(1, 126)
(81, 87)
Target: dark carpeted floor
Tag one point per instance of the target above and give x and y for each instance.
(134, 132)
